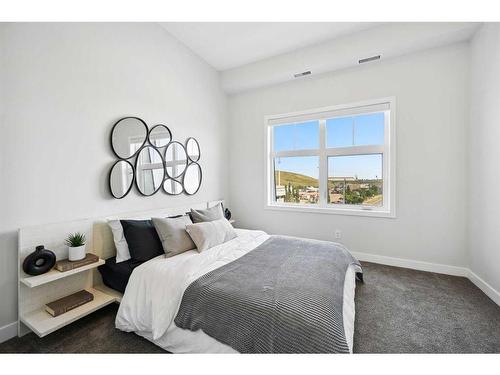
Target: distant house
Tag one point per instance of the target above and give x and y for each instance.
(336, 198)
(342, 179)
(280, 193)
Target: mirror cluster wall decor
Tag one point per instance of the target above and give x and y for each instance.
(160, 162)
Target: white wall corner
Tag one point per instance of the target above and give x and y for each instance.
(8, 331)
(485, 287)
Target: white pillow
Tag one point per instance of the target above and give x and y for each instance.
(210, 233)
(122, 251)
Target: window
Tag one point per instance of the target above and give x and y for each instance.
(334, 160)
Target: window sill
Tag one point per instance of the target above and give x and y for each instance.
(331, 211)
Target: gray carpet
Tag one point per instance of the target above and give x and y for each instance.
(397, 311)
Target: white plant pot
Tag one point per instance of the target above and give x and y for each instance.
(76, 253)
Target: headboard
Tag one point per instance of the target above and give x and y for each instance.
(102, 237)
(97, 232)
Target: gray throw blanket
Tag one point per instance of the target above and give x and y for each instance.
(285, 296)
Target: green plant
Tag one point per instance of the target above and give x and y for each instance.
(75, 239)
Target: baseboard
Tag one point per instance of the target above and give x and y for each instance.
(413, 264)
(432, 267)
(8, 331)
(485, 287)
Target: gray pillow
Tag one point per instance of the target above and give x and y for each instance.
(173, 235)
(211, 233)
(210, 214)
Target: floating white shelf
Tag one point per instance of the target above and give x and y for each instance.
(110, 292)
(42, 323)
(52, 275)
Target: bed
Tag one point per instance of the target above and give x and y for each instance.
(155, 290)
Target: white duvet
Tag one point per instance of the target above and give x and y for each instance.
(155, 289)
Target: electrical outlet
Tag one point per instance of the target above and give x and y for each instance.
(338, 234)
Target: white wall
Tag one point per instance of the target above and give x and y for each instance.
(431, 89)
(484, 151)
(62, 88)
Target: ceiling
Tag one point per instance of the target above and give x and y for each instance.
(227, 45)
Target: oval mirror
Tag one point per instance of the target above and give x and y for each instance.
(149, 171)
(128, 136)
(121, 177)
(175, 159)
(192, 179)
(159, 136)
(172, 187)
(193, 149)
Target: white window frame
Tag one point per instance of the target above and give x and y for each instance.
(388, 150)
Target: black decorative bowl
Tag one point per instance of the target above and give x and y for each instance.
(39, 262)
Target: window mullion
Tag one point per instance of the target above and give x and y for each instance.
(323, 173)
(355, 150)
(291, 153)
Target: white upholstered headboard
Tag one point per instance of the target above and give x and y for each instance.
(102, 237)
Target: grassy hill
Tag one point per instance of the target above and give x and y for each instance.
(295, 179)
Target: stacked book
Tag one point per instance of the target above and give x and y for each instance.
(68, 303)
(67, 265)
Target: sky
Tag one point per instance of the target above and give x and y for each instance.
(340, 132)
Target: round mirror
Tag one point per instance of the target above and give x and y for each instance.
(193, 149)
(192, 179)
(121, 177)
(175, 159)
(128, 136)
(149, 170)
(172, 187)
(159, 136)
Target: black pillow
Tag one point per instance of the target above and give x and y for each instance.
(142, 239)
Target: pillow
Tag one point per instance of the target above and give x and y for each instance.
(142, 239)
(173, 235)
(210, 214)
(122, 251)
(211, 233)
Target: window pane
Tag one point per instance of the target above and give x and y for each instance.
(301, 136)
(355, 179)
(369, 129)
(339, 132)
(359, 130)
(296, 179)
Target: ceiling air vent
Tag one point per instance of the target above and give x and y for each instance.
(368, 59)
(297, 75)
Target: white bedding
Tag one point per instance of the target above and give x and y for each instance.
(155, 289)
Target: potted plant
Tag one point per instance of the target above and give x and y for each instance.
(76, 246)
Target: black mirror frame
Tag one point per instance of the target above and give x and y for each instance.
(199, 150)
(131, 183)
(165, 161)
(151, 130)
(146, 138)
(135, 170)
(168, 178)
(184, 177)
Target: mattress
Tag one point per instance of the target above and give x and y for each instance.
(116, 275)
